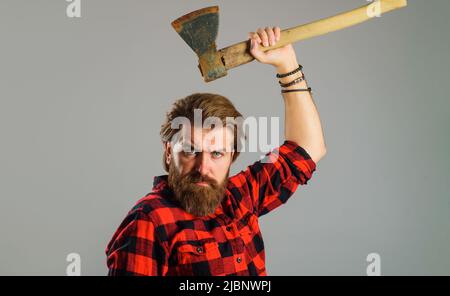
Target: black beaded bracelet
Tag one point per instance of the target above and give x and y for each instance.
(297, 89)
(298, 80)
(300, 67)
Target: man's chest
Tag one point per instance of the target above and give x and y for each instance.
(217, 246)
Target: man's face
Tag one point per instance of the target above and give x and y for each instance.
(199, 165)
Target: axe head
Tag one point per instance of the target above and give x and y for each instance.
(199, 30)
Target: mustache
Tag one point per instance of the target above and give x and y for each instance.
(197, 177)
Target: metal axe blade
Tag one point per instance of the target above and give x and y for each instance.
(199, 30)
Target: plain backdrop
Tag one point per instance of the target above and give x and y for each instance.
(82, 101)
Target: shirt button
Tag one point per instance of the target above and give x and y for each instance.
(239, 259)
(200, 250)
(228, 228)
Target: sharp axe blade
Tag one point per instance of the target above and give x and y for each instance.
(199, 30)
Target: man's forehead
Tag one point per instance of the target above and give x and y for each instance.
(218, 137)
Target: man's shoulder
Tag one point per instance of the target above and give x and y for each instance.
(155, 206)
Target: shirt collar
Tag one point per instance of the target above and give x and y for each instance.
(160, 182)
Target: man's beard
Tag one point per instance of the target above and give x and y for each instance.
(195, 199)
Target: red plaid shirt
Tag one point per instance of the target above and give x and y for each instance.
(159, 238)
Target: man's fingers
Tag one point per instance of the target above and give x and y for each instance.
(270, 35)
(255, 36)
(267, 36)
(263, 35)
(277, 33)
(256, 51)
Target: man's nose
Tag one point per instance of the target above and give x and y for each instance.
(202, 163)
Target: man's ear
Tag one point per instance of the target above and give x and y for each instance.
(168, 152)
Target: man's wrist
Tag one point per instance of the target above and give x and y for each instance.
(287, 67)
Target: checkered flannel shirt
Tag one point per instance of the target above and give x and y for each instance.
(158, 237)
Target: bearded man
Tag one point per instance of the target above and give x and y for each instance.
(197, 220)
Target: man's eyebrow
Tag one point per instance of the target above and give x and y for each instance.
(220, 150)
(190, 146)
(193, 148)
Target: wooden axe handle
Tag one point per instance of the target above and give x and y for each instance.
(238, 54)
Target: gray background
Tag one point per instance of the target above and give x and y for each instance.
(82, 100)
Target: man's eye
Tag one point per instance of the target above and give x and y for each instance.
(190, 153)
(217, 154)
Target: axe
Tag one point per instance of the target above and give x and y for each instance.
(199, 30)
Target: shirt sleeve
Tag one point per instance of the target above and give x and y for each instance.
(135, 248)
(269, 182)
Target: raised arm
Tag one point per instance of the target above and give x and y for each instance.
(302, 121)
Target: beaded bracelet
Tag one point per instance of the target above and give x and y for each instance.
(298, 80)
(300, 67)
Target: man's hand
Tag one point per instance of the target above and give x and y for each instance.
(283, 58)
